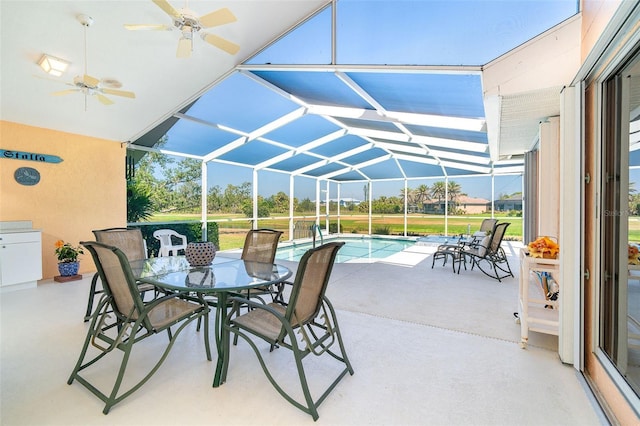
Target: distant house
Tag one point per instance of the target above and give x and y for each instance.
(507, 204)
(469, 205)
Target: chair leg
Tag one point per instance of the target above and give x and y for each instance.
(92, 293)
(126, 345)
(90, 333)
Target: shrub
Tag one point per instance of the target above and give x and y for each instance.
(333, 228)
(382, 230)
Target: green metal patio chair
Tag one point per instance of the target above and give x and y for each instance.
(136, 320)
(131, 242)
(308, 314)
(260, 245)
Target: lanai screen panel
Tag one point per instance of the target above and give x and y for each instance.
(253, 153)
(302, 130)
(342, 144)
(414, 169)
(240, 103)
(195, 138)
(251, 108)
(315, 87)
(295, 163)
(446, 94)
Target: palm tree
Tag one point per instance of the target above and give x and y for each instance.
(139, 205)
(408, 194)
(422, 193)
(438, 190)
(454, 191)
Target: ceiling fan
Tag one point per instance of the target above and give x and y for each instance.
(89, 85)
(188, 23)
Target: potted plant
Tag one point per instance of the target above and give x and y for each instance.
(67, 258)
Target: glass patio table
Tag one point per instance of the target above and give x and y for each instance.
(225, 275)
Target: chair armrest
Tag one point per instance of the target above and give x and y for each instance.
(162, 299)
(256, 305)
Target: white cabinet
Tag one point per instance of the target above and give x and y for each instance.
(535, 311)
(20, 258)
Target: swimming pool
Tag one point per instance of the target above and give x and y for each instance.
(358, 249)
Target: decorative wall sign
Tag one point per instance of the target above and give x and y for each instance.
(29, 156)
(27, 176)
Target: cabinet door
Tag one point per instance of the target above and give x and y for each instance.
(20, 263)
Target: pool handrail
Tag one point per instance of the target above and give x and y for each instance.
(313, 233)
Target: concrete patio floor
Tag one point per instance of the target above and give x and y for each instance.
(428, 347)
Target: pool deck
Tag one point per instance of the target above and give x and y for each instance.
(428, 347)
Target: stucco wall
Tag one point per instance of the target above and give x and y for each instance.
(86, 191)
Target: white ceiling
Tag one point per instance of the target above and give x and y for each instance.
(143, 61)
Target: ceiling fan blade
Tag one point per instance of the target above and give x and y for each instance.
(168, 9)
(103, 99)
(219, 17)
(65, 92)
(185, 46)
(221, 43)
(119, 93)
(90, 81)
(147, 27)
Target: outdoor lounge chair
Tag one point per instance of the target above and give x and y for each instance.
(446, 251)
(136, 320)
(132, 244)
(486, 228)
(307, 325)
(488, 255)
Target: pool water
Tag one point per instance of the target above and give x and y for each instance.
(439, 239)
(362, 250)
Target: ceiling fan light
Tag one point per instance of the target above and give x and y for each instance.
(187, 32)
(52, 65)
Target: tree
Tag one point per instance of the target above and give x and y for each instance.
(306, 205)
(214, 199)
(183, 185)
(263, 207)
(279, 202)
(454, 190)
(139, 205)
(438, 191)
(422, 194)
(234, 197)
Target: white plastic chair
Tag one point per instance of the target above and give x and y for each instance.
(167, 246)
